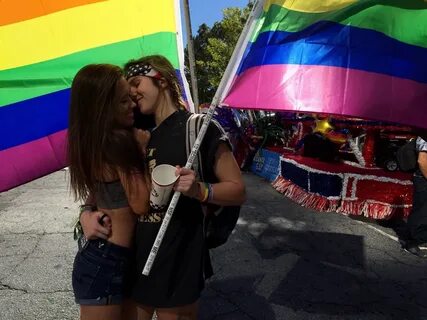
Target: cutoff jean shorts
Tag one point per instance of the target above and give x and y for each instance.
(102, 273)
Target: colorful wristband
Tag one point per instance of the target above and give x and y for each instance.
(205, 193)
(210, 198)
(86, 207)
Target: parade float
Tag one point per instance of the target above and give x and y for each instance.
(349, 175)
(343, 165)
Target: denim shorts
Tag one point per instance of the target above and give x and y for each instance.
(102, 273)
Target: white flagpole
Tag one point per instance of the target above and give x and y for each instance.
(180, 45)
(231, 69)
(239, 50)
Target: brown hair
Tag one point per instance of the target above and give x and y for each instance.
(162, 65)
(95, 141)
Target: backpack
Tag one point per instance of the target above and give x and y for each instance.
(219, 221)
(407, 156)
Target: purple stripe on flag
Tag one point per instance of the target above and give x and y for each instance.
(331, 90)
(32, 160)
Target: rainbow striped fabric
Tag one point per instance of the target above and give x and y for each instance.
(358, 58)
(43, 44)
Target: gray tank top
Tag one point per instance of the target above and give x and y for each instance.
(111, 195)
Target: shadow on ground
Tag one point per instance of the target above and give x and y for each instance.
(235, 299)
(329, 278)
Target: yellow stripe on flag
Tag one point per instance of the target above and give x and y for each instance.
(82, 28)
(310, 6)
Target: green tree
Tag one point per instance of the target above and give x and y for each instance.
(213, 48)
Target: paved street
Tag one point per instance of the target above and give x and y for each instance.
(282, 262)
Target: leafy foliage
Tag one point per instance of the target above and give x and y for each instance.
(213, 48)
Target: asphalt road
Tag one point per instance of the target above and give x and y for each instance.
(282, 262)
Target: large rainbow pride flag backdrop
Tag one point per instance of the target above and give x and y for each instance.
(43, 44)
(358, 58)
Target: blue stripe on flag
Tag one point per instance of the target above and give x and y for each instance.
(32, 119)
(332, 44)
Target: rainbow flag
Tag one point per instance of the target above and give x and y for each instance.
(43, 44)
(365, 59)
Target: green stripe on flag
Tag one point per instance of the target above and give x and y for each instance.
(404, 20)
(41, 78)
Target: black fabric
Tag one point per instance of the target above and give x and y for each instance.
(142, 121)
(219, 226)
(177, 274)
(407, 156)
(318, 146)
(417, 220)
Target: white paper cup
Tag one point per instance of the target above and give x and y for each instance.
(163, 178)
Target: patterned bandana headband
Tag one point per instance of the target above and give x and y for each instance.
(142, 70)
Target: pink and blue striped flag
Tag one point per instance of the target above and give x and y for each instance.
(43, 44)
(358, 58)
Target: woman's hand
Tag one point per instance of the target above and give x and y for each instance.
(142, 137)
(92, 227)
(186, 183)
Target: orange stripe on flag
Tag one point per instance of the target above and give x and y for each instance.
(12, 11)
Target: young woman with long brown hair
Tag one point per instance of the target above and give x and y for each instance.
(106, 168)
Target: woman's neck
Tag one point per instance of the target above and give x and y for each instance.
(164, 110)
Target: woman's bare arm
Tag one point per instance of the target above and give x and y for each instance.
(422, 163)
(89, 220)
(137, 191)
(230, 190)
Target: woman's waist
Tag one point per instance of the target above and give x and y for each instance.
(123, 222)
(122, 239)
(121, 215)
